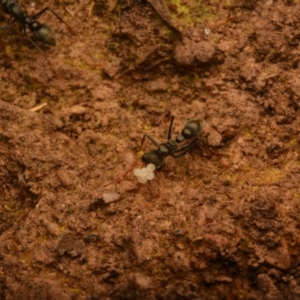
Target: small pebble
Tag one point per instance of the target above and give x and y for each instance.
(142, 179)
(110, 197)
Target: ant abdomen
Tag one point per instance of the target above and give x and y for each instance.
(192, 129)
(43, 33)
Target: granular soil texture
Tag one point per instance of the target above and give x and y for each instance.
(221, 222)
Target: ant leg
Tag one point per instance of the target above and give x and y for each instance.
(5, 27)
(2, 47)
(153, 141)
(169, 136)
(183, 150)
(38, 48)
(180, 154)
(8, 25)
(143, 139)
(36, 16)
(118, 180)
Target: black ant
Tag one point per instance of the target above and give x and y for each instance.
(192, 129)
(40, 32)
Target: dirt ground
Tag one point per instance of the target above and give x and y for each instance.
(221, 222)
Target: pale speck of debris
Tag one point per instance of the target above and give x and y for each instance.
(207, 31)
(110, 197)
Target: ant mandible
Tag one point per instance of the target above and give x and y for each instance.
(192, 130)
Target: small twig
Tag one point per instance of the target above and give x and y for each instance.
(162, 10)
(119, 179)
(220, 24)
(90, 10)
(71, 13)
(157, 63)
(38, 107)
(139, 62)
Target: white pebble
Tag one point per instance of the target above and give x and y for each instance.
(110, 197)
(142, 179)
(207, 31)
(137, 172)
(150, 175)
(144, 172)
(150, 167)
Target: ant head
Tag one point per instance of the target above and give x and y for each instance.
(42, 33)
(154, 157)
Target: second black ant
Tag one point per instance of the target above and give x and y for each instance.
(40, 32)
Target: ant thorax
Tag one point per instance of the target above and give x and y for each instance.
(168, 148)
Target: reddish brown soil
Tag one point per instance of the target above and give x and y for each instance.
(220, 223)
